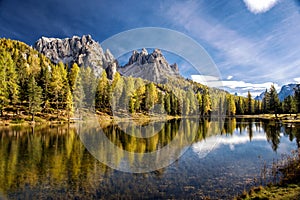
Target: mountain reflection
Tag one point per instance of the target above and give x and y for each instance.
(35, 160)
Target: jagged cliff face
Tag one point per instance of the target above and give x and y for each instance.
(153, 67)
(84, 51)
(287, 90)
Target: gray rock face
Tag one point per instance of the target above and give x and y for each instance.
(84, 51)
(260, 97)
(153, 67)
(286, 91)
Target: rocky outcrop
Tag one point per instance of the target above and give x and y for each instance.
(287, 90)
(84, 51)
(153, 67)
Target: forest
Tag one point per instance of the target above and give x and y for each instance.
(30, 84)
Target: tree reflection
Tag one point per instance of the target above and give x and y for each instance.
(272, 130)
(54, 157)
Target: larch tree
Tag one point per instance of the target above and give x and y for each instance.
(56, 85)
(11, 80)
(34, 93)
(150, 96)
(76, 87)
(102, 92)
(3, 84)
(206, 102)
(44, 81)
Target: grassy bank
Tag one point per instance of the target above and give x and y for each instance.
(287, 188)
(280, 117)
(104, 118)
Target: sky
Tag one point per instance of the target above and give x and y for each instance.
(253, 43)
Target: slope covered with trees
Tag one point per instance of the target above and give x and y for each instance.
(31, 84)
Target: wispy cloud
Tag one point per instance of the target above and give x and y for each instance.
(250, 57)
(231, 85)
(260, 6)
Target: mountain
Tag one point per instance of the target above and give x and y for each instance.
(286, 91)
(260, 97)
(81, 50)
(153, 67)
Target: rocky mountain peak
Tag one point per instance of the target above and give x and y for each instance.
(81, 50)
(153, 66)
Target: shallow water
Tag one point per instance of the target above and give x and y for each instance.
(213, 161)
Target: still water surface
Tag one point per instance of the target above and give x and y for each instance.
(52, 163)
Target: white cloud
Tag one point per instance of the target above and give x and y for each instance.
(204, 147)
(229, 77)
(241, 86)
(204, 78)
(260, 6)
(297, 79)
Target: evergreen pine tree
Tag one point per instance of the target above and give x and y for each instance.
(297, 98)
(249, 104)
(274, 101)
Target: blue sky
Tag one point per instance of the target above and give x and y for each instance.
(253, 42)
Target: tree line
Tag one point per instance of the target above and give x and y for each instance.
(30, 83)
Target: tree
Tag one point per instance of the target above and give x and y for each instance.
(102, 94)
(117, 90)
(167, 103)
(89, 84)
(65, 83)
(231, 109)
(257, 107)
(249, 104)
(297, 98)
(150, 96)
(3, 84)
(206, 102)
(34, 97)
(266, 102)
(274, 100)
(240, 107)
(76, 87)
(44, 81)
(192, 101)
(56, 85)
(199, 101)
(69, 104)
(11, 80)
(288, 105)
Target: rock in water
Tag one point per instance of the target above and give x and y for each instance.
(84, 51)
(153, 67)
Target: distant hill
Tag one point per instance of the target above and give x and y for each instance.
(260, 97)
(285, 91)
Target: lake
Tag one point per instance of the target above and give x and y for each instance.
(196, 159)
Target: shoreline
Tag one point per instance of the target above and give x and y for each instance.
(140, 118)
